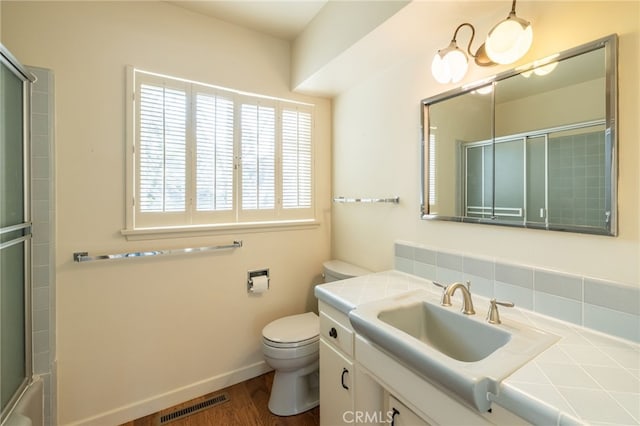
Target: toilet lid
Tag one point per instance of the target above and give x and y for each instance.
(292, 329)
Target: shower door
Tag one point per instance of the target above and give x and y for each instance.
(15, 232)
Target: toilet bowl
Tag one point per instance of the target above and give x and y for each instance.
(290, 345)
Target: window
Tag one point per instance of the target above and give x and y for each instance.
(203, 155)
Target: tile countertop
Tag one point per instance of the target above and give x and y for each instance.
(585, 378)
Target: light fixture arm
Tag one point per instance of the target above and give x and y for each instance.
(473, 34)
(512, 15)
(480, 56)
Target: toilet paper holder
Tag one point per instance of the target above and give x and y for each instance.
(257, 273)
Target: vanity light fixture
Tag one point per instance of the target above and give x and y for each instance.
(510, 39)
(507, 42)
(451, 63)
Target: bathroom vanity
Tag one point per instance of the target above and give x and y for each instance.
(365, 379)
(339, 376)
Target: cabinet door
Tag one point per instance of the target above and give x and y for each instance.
(368, 400)
(401, 415)
(336, 387)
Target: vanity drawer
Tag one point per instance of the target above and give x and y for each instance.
(336, 334)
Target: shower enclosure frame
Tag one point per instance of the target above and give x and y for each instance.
(12, 65)
(524, 138)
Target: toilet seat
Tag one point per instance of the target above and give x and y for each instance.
(290, 352)
(287, 345)
(292, 331)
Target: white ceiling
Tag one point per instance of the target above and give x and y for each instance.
(284, 19)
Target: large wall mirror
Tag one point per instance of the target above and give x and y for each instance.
(531, 147)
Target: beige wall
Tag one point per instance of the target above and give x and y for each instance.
(337, 26)
(376, 152)
(139, 335)
(574, 104)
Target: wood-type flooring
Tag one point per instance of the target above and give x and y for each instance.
(247, 406)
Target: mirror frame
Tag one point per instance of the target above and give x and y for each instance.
(610, 46)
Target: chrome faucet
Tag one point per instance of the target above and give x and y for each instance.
(467, 307)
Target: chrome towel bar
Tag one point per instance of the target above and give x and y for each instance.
(83, 256)
(394, 200)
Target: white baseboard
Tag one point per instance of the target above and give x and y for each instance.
(168, 399)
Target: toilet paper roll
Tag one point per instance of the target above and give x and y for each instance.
(260, 284)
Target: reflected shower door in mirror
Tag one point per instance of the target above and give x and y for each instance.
(456, 122)
(534, 147)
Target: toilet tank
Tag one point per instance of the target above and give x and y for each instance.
(335, 270)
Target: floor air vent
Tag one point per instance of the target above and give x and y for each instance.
(192, 409)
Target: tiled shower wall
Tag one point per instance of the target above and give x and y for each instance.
(42, 205)
(609, 307)
(577, 179)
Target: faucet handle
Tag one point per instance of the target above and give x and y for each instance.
(446, 298)
(493, 316)
(437, 284)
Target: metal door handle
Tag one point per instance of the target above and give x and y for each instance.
(333, 332)
(344, 371)
(393, 416)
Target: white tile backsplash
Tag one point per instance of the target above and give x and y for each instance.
(558, 307)
(446, 275)
(521, 296)
(605, 306)
(480, 285)
(424, 270)
(612, 322)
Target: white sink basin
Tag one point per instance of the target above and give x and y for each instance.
(463, 354)
(446, 330)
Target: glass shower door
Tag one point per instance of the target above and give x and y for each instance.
(15, 234)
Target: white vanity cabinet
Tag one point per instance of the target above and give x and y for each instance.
(340, 404)
(421, 402)
(336, 366)
(401, 415)
(336, 385)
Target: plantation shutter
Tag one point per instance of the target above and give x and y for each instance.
(258, 144)
(214, 152)
(205, 155)
(162, 149)
(296, 159)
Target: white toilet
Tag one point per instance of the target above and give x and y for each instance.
(290, 346)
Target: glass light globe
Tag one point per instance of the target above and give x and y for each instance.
(509, 41)
(440, 70)
(449, 65)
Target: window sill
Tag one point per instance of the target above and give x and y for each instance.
(222, 229)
